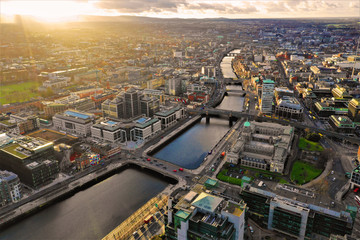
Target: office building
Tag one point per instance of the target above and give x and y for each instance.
(173, 86)
(74, 122)
(354, 110)
(170, 115)
(132, 103)
(263, 145)
(294, 218)
(113, 108)
(146, 127)
(355, 177)
(200, 215)
(10, 188)
(32, 159)
(25, 122)
(209, 71)
(124, 106)
(149, 105)
(267, 96)
(112, 131)
(342, 124)
(287, 106)
(51, 108)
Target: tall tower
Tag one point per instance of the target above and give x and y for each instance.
(267, 96)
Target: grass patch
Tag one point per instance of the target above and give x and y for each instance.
(19, 92)
(309, 145)
(261, 171)
(303, 172)
(223, 177)
(283, 181)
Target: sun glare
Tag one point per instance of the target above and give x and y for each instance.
(47, 11)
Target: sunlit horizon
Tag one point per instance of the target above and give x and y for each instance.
(74, 10)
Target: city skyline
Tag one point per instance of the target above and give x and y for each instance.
(75, 10)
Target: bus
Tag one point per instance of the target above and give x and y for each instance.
(357, 199)
(148, 218)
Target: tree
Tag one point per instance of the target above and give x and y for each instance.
(314, 137)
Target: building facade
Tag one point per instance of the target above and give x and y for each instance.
(170, 115)
(267, 96)
(74, 122)
(32, 159)
(354, 110)
(10, 188)
(294, 218)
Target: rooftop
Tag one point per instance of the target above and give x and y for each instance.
(77, 114)
(233, 208)
(207, 202)
(211, 182)
(183, 214)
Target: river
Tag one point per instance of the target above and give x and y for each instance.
(226, 67)
(189, 149)
(92, 213)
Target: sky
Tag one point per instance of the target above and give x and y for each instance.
(70, 10)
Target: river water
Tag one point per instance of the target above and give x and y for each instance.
(189, 149)
(233, 101)
(92, 213)
(225, 65)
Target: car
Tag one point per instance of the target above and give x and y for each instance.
(148, 159)
(332, 172)
(181, 169)
(356, 190)
(251, 229)
(333, 179)
(174, 170)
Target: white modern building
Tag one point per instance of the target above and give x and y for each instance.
(74, 122)
(146, 127)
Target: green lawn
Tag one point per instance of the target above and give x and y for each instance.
(18, 92)
(303, 172)
(310, 146)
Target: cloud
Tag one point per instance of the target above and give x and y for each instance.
(223, 8)
(138, 6)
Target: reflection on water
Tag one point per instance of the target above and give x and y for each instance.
(92, 213)
(189, 149)
(233, 101)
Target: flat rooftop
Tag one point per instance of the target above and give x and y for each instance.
(12, 149)
(77, 114)
(182, 214)
(233, 208)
